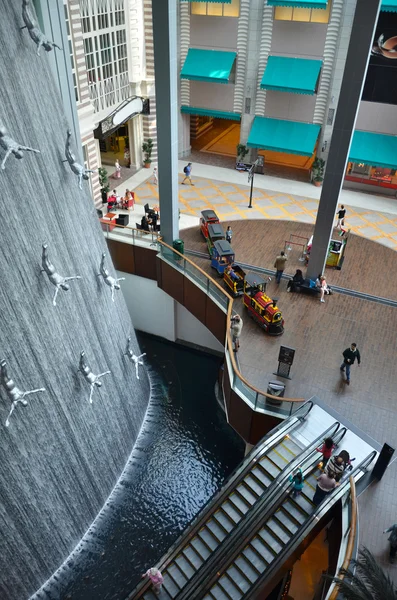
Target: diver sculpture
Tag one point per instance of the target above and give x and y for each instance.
(11, 146)
(108, 279)
(133, 358)
(89, 376)
(77, 169)
(13, 392)
(35, 33)
(55, 278)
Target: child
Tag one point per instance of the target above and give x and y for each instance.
(229, 234)
(156, 578)
(326, 450)
(297, 480)
(155, 176)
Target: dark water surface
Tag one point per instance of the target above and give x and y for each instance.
(183, 454)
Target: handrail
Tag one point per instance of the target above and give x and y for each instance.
(351, 541)
(228, 334)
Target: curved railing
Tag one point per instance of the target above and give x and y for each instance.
(351, 541)
(252, 395)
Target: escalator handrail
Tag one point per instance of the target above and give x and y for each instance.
(264, 505)
(267, 443)
(319, 512)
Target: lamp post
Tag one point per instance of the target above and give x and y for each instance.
(251, 173)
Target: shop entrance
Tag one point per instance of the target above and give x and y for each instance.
(288, 166)
(116, 146)
(382, 177)
(210, 135)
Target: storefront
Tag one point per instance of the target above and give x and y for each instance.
(373, 161)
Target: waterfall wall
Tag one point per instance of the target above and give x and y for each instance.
(60, 456)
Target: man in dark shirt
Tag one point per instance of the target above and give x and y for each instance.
(349, 356)
(341, 217)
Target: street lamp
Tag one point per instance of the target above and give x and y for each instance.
(251, 173)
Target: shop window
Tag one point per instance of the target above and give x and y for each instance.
(303, 15)
(216, 9)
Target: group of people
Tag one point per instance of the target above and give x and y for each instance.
(298, 279)
(149, 221)
(126, 201)
(332, 466)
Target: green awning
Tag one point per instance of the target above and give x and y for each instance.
(374, 149)
(208, 65)
(299, 3)
(290, 137)
(389, 5)
(209, 112)
(296, 75)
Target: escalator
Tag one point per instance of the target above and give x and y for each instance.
(273, 539)
(250, 487)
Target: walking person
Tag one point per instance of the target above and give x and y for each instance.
(155, 176)
(326, 450)
(341, 217)
(297, 480)
(324, 289)
(236, 327)
(188, 170)
(325, 485)
(393, 541)
(279, 265)
(117, 173)
(229, 234)
(349, 357)
(156, 578)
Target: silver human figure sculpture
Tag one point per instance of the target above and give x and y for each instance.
(11, 146)
(55, 278)
(107, 278)
(89, 376)
(133, 357)
(35, 33)
(77, 169)
(13, 392)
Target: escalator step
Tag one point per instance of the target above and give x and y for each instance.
(200, 547)
(293, 510)
(231, 511)
(292, 446)
(218, 593)
(216, 529)
(169, 586)
(286, 522)
(238, 579)
(304, 504)
(279, 457)
(208, 538)
(246, 567)
(269, 466)
(185, 566)
(195, 558)
(270, 540)
(278, 530)
(230, 588)
(262, 475)
(239, 502)
(247, 494)
(259, 562)
(177, 575)
(224, 520)
(254, 484)
(151, 595)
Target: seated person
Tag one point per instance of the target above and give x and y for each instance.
(296, 281)
(233, 276)
(144, 223)
(153, 220)
(112, 200)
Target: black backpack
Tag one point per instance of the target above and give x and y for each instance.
(185, 170)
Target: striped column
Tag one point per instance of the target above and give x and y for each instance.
(264, 51)
(184, 30)
(242, 52)
(149, 121)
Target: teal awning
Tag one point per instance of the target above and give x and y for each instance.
(299, 3)
(296, 75)
(209, 112)
(374, 149)
(208, 65)
(283, 136)
(389, 5)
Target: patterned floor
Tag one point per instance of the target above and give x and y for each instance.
(230, 202)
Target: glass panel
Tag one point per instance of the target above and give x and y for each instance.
(246, 391)
(302, 14)
(198, 8)
(279, 409)
(321, 16)
(232, 10)
(214, 9)
(218, 296)
(196, 276)
(283, 13)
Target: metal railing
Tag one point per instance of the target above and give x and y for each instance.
(253, 396)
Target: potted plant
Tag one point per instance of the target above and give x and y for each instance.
(318, 167)
(242, 152)
(147, 148)
(104, 183)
